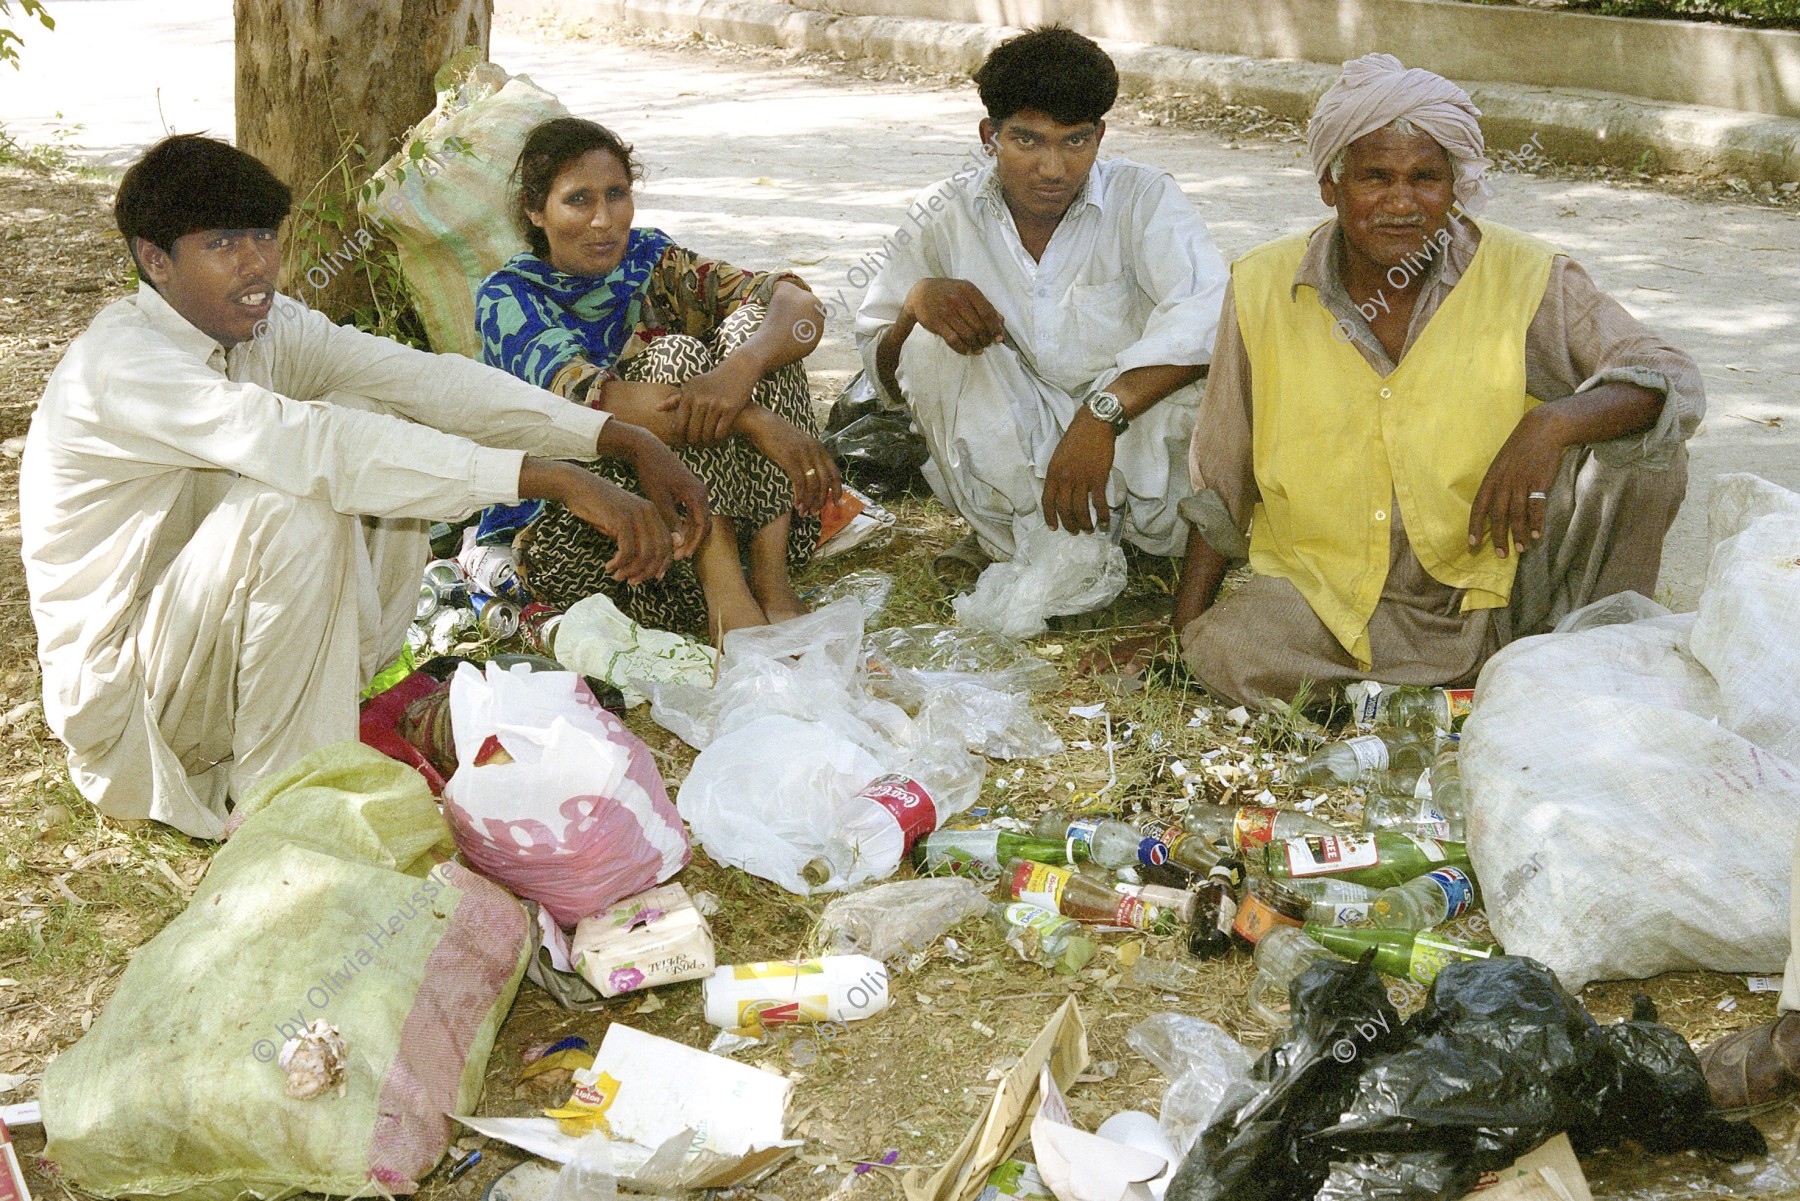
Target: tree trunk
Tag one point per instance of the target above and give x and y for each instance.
(318, 78)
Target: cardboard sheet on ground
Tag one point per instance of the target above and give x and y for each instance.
(681, 1118)
(1061, 1047)
(1550, 1173)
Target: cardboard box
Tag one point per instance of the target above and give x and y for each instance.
(656, 937)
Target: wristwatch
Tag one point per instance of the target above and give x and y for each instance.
(1107, 408)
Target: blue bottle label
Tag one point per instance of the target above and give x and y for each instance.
(1153, 852)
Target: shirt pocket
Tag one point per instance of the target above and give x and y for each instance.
(1100, 320)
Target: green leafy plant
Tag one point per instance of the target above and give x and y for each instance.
(10, 39)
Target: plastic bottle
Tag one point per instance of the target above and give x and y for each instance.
(1379, 860)
(1215, 910)
(836, 988)
(1044, 937)
(1282, 955)
(1164, 975)
(1410, 815)
(1358, 759)
(1250, 826)
(985, 852)
(1405, 954)
(1335, 902)
(939, 781)
(1071, 894)
(1425, 901)
(1110, 843)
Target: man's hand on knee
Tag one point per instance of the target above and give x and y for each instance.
(645, 544)
(956, 311)
(1074, 497)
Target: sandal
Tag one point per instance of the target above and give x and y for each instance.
(1754, 1070)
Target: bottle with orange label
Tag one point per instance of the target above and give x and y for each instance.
(1066, 891)
(1267, 905)
(835, 988)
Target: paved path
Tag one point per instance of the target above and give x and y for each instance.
(784, 167)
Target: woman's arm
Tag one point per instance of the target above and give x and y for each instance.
(707, 406)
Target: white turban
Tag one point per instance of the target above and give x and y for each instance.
(1375, 90)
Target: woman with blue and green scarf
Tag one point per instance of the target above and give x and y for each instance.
(706, 356)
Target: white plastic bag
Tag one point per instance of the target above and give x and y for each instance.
(999, 725)
(1632, 796)
(574, 814)
(895, 921)
(1201, 1063)
(596, 639)
(778, 796)
(1052, 573)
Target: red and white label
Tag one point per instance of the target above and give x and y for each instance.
(1329, 854)
(908, 801)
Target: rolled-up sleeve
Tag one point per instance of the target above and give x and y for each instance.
(1220, 463)
(1582, 338)
(911, 257)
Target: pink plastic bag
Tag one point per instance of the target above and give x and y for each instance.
(579, 818)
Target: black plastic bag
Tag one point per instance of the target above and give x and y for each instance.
(876, 446)
(1500, 1059)
(1255, 1148)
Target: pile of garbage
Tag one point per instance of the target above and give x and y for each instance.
(838, 760)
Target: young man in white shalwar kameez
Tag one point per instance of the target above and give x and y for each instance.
(1047, 316)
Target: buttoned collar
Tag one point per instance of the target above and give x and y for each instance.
(1091, 193)
(161, 316)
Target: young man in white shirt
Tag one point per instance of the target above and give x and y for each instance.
(224, 497)
(1049, 314)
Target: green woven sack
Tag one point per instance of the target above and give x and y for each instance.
(445, 200)
(331, 902)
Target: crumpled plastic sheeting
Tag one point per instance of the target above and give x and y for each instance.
(1052, 573)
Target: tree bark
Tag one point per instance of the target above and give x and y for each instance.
(318, 78)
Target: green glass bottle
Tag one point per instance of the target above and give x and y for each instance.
(1406, 954)
(985, 852)
(1379, 860)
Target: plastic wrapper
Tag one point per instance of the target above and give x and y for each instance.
(868, 588)
(1500, 1059)
(896, 920)
(809, 668)
(1052, 573)
(999, 725)
(1201, 1063)
(908, 663)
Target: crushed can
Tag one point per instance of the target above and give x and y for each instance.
(497, 616)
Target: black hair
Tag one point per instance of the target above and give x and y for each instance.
(1053, 70)
(549, 148)
(188, 182)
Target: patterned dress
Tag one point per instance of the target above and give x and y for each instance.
(663, 316)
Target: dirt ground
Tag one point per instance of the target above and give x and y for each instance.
(76, 896)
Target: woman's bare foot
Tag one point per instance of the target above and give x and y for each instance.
(769, 581)
(730, 605)
(807, 463)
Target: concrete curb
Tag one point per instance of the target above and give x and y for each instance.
(1565, 124)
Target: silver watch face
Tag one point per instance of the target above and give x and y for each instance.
(1106, 407)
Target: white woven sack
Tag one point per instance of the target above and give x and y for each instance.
(1627, 816)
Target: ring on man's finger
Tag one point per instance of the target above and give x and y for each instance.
(1537, 496)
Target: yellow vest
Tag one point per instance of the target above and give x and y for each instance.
(1334, 443)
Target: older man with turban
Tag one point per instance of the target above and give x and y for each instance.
(1428, 434)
